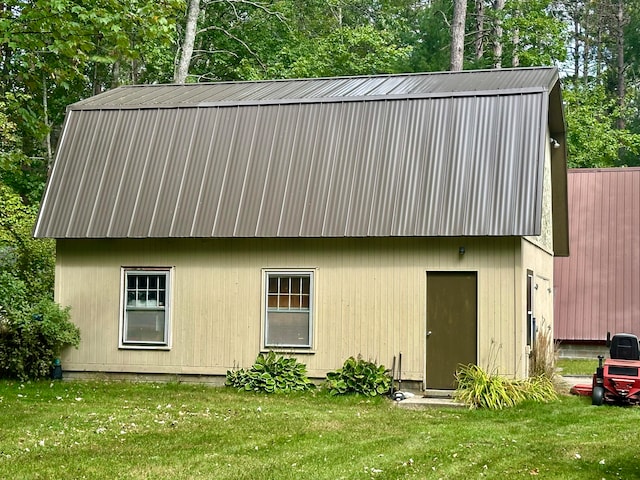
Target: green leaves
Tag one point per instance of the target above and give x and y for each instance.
(593, 139)
(479, 389)
(32, 337)
(271, 373)
(359, 376)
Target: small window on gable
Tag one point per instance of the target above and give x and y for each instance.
(146, 310)
(288, 309)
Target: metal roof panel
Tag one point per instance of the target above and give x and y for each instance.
(351, 165)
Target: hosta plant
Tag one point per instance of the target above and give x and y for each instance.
(271, 373)
(359, 376)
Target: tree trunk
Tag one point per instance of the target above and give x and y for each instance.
(620, 24)
(515, 40)
(515, 60)
(457, 35)
(479, 39)
(498, 6)
(45, 107)
(574, 19)
(115, 74)
(587, 46)
(186, 51)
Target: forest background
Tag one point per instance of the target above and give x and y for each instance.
(56, 52)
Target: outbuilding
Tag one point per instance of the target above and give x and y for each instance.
(598, 287)
(198, 225)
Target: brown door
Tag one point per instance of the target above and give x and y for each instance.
(451, 325)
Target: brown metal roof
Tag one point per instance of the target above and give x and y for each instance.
(397, 155)
(326, 89)
(598, 286)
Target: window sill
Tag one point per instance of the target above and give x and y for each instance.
(289, 350)
(144, 347)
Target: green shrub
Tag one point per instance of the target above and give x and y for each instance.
(359, 376)
(31, 338)
(478, 389)
(272, 374)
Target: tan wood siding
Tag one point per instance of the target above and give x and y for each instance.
(537, 260)
(370, 299)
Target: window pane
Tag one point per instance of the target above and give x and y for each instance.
(273, 301)
(152, 299)
(284, 285)
(273, 285)
(131, 282)
(283, 301)
(161, 299)
(162, 282)
(153, 282)
(306, 282)
(295, 284)
(145, 326)
(142, 299)
(295, 301)
(288, 329)
(142, 282)
(304, 301)
(131, 298)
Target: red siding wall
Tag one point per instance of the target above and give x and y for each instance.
(597, 288)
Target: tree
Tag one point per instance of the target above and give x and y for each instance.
(593, 137)
(498, 6)
(238, 40)
(54, 52)
(457, 34)
(186, 50)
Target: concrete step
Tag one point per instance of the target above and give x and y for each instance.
(419, 402)
(429, 398)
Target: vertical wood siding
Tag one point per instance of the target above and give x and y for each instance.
(370, 299)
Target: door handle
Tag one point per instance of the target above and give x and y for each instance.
(429, 333)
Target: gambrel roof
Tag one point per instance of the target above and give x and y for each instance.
(432, 154)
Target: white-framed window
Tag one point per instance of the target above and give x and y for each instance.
(288, 297)
(146, 308)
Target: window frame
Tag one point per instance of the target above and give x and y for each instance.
(301, 272)
(125, 272)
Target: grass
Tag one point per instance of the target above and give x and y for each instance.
(577, 366)
(171, 431)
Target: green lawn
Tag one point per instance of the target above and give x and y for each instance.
(68, 430)
(577, 366)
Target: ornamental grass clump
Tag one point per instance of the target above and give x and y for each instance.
(271, 373)
(479, 389)
(360, 377)
(543, 354)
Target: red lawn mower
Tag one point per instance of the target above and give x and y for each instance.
(617, 380)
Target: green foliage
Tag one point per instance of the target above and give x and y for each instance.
(542, 34)
(33, 329)
(31, 338)
(479, 389)
(360, 50)
(295, 38)
(359, 376)
(31, 261)
(593, 139)
(430, 38)
(271, 373)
